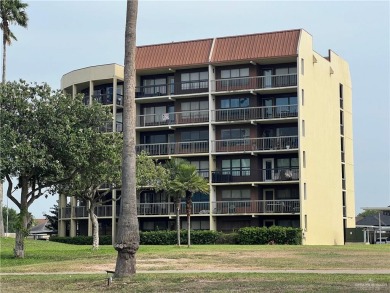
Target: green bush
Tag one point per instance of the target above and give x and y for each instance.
(272, 235)
(227, 238)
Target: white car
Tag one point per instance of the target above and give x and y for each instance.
(385, 240)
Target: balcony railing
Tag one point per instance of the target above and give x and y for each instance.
(287, 206)
(177, 88)
(254, 113)
(173, 118)
(174, 148)
(256, 82)
(255, 144)
(198, 208)
(255, 175)
(108, 99)
(108, 127)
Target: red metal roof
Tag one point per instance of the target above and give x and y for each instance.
(235, 48)
(265, 45)
(173, 54)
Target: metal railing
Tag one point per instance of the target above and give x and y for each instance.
(108, 99)
(174, 148)
(256, 82)
(255, 175)
(173, 118)
(185, 87)
(286, 206)
(252, 113)
(255, 144)
(108, 127)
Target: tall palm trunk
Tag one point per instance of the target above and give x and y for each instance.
(188, 210)
(95, 226)
(127, 242)
(177, 203)
(1, 183)
(4, 58)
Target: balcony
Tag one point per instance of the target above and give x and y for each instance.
(256, 175)
(254, 83)
(255, 113)
(108, 127)
(108, 99)
(255, 144)
(176, 118)
(286, 206)
(177, 88)
(145, 209)
(174, 148)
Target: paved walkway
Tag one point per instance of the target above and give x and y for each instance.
(351, 272)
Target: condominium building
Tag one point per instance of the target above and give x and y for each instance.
(264, 118)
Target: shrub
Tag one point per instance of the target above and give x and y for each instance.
(227, 238)
(272, 235)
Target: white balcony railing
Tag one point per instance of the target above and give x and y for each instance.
(173, 118)
(174, 148)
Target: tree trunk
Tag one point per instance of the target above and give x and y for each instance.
(22, 227)
(127, 240)
(188, 209)
(1, 211)
(95, 227)
(4, 62)
(177, 203)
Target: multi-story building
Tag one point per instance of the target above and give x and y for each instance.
(266, 119)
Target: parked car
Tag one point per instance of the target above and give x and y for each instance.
(385, 240)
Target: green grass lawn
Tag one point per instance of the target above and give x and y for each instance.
(45, 256)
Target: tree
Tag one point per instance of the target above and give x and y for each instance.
(98, 178)
(45, 136)
(188, 181)
(367, 213)
(52, 217)
(173, 167)
(11, 12)
(127, 240)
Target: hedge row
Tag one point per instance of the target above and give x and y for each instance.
(248, 235)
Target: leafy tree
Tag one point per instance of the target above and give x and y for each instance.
(12, 219)
(45, 140)
(11, 12)
(127, 240)
(367, 213)
(173, 167)
(53, 217)
(98, 177)
(188, 181)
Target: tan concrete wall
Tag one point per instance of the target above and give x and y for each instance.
(321, 144)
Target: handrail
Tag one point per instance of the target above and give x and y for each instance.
(255, 144)
(183, 117)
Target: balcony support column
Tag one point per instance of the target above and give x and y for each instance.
(91, 89)
(114, 102)
(61, 222)
(73, 226)
(113, 218)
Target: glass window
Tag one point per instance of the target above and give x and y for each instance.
(191, 80)
(236, 194)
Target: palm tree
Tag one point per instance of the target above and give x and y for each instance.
(11, 12)
(127, 240)
(173, 167)
(187, 182)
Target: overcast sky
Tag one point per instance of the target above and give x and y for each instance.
(66, 35)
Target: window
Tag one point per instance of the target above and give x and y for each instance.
(341, 94)
(155, 86)
(155, 138)
(202, 167)
(154, 115)
(195, 109)
(194, 80)
(287, 193)
(236, 77)
(304, 191)
(197, 224)
(302, 66)
(195, 135)
(303, 128)
(286, 76)
(287, 163)
(240, 194)
(303, 97)
(236, 167)
(287, 131)
(304, 159)
(305, 222)
(235, 103)
(236, 136)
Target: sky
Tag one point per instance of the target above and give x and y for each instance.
(66, 35)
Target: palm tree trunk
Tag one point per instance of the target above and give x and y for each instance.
(95, 226)
(177, 203)
(188, 210)
(4, 59)
(22, 230)
(127, 240)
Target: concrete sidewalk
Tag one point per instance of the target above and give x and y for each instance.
(348, 272)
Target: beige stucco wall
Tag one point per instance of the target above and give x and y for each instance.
(321, 144)
(99, 72)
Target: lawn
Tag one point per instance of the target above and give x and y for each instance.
(51, 257)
